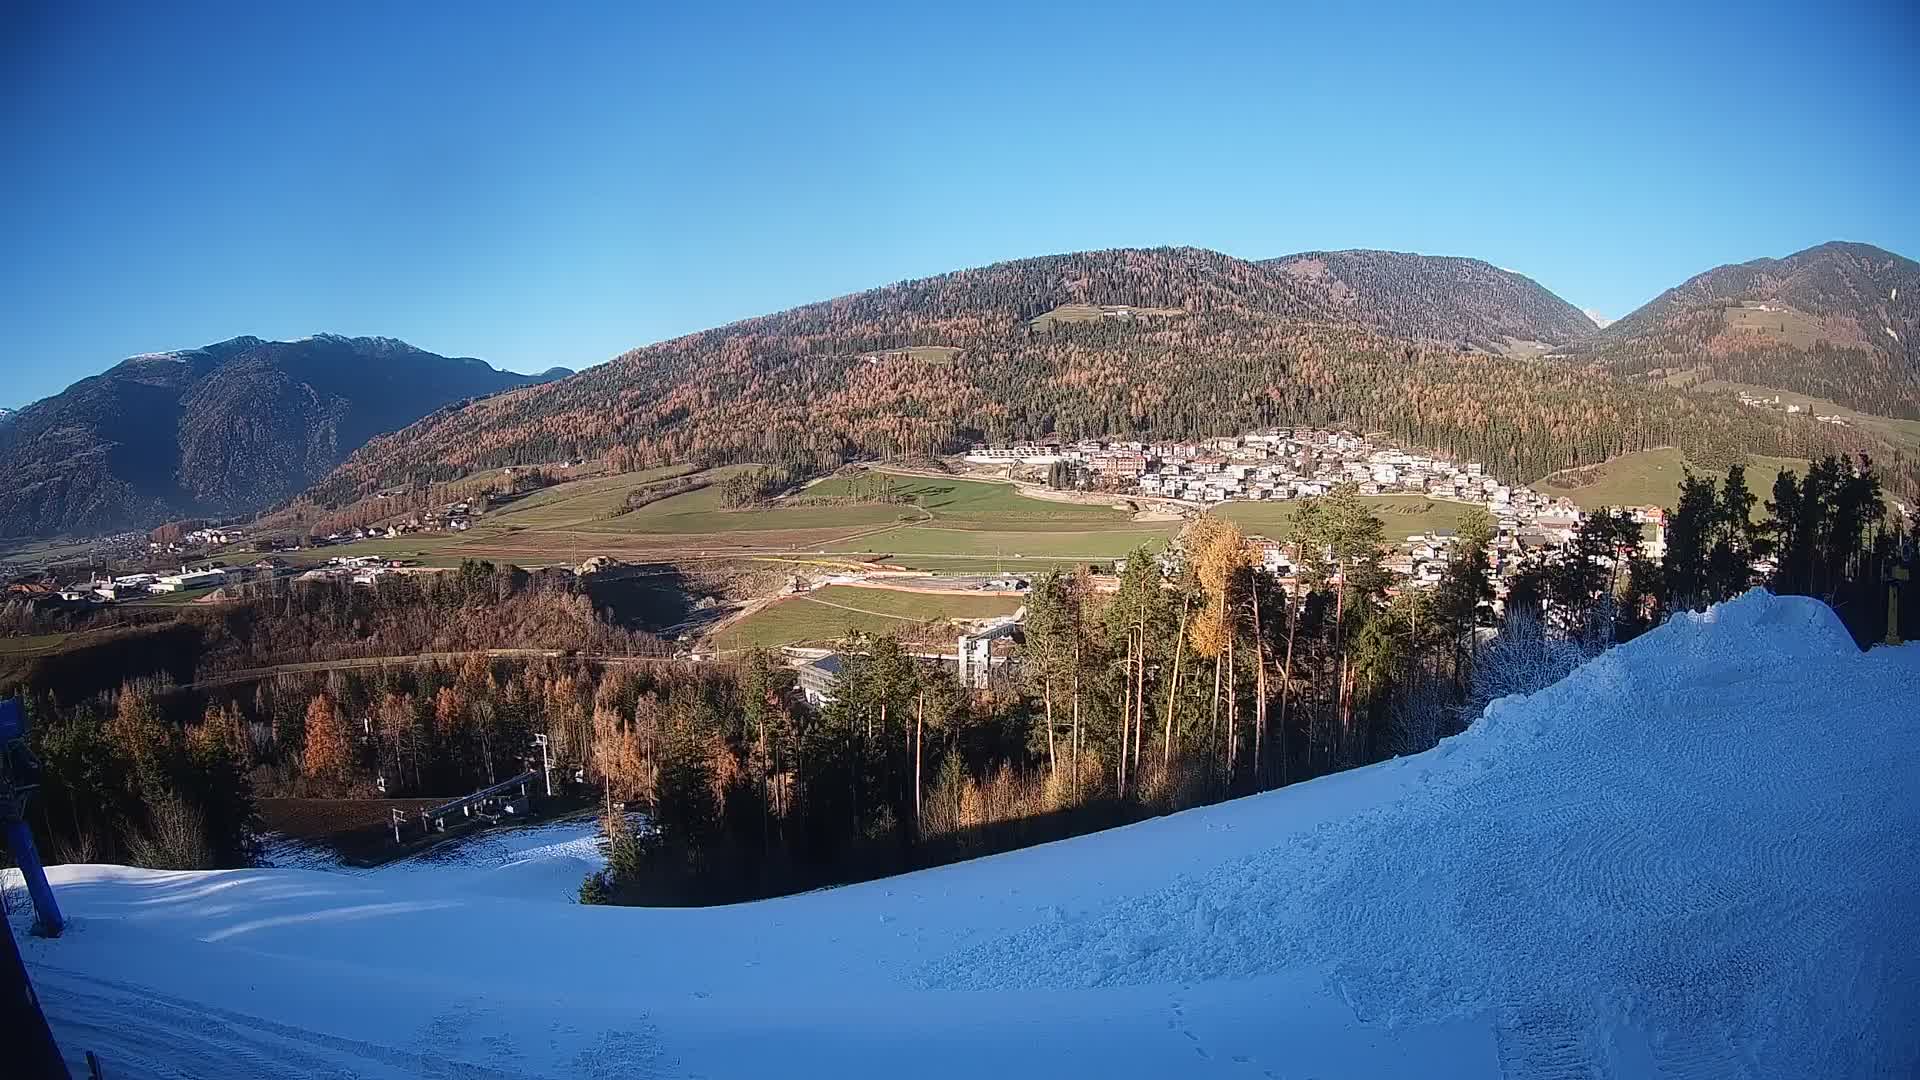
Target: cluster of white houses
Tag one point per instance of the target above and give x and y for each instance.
(1774, 403)
(1295, 463)
(364, 570)
(134, 586)
(453, 517)
(1422, 560)
(359, 570)
(1287, 463)
(209, 537)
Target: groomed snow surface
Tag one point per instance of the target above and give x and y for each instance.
(1695, 857)
(535, 862)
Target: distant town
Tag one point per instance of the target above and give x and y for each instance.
(1298, 463)
(1189, 477)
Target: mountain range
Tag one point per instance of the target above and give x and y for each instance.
(1436, 298)
(1837, 321)
(1454, 354)
(224, 429)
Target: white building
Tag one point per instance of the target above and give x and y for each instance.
(190, 579)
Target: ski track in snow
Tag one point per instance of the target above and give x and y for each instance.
(1694, 858)
(1548, 873)
(148, 1034)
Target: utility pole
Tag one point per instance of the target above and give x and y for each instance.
(19, 779)
(1896, 577)
(546, 767)
(29, 1041)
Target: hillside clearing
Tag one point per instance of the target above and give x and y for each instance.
(1085, 313)
(1774, 322)
(1897, 431)
(1652, 478)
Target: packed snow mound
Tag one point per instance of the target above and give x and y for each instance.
(1709, 834)
(1694, 857)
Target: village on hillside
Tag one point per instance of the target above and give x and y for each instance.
(1297, 463)
(1183, 477)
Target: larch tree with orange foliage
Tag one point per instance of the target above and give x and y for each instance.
(328, 753)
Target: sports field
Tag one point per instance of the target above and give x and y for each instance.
(941, 540)
(1404, 515)
(933, 522)
(829, 614)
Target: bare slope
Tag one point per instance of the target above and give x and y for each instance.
(934, 364)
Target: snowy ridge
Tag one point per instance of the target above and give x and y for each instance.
(1695, 857)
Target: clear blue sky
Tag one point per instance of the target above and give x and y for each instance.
(539, 188)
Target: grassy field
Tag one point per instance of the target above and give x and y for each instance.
(701, 513)
(581, 501)
(826, 615)
(1652, 478)
(960, 504)
(1025, 566)
(31, 644)
(43, 552)
(940, 540)
(918, 606)
(939, 520)
(1404, 515)
(688, 519)
(1788, 326)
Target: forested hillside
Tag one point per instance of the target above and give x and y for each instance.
(1836, 321)
(1434, 298)
(934, 364)
(228, 428)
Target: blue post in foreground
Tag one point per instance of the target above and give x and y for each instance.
(19, 776)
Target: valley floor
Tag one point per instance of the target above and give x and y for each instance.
(1695, 857)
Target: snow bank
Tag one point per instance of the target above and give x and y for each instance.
(1686, 836)
(1695, 856)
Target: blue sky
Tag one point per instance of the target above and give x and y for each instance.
(540, 188)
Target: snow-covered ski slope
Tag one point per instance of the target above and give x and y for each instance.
(532, 862)
(1695, 857)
